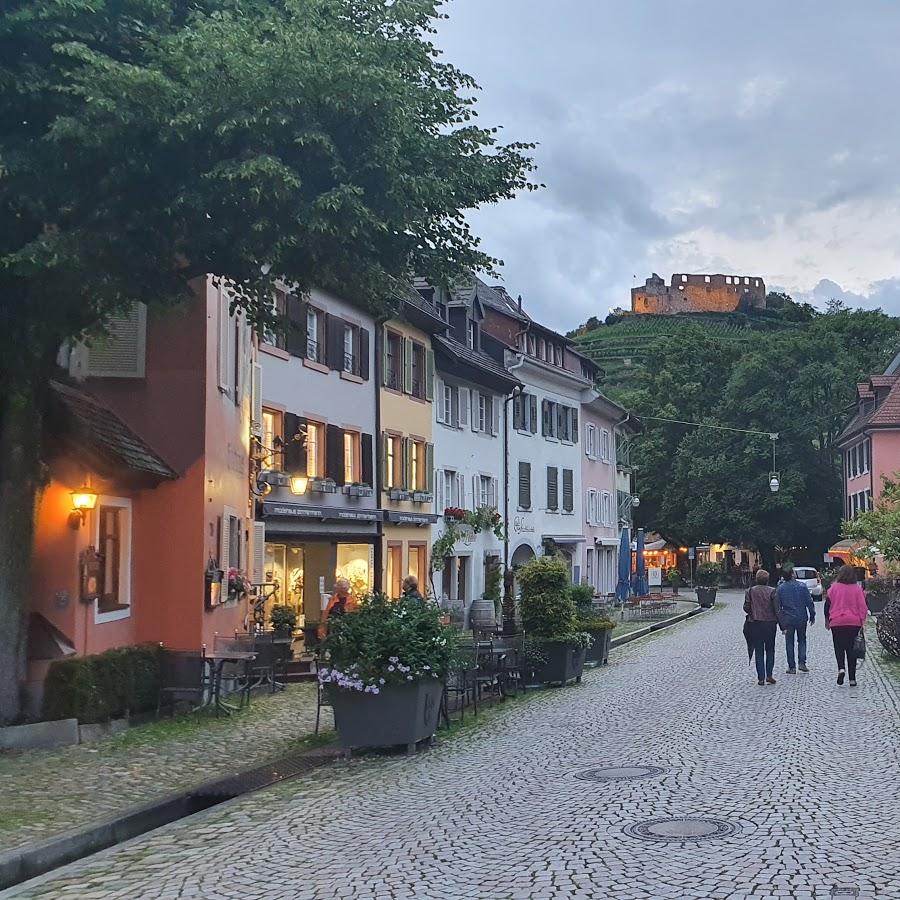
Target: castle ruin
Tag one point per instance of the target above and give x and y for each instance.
(699, 293)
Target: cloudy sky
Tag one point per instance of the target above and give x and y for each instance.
(691, 136)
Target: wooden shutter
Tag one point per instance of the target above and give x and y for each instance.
(334, 454)
(439, 402)
(495, 500)
(222, 322)
(225, 546)
(406, 463)
(294, 451)
(429, 375)
(552, 488)
(429, 467)
(295, 339)
(363, 334)
(256, 397)
(568, 495)
(495, 415)
(461, 395)
(259, 552)
(334, 342)
(121, 352)
(574, 425)
(385, 358)
(386, 474)
(533, 416)
(461, 489)
(525, 485)
(408, 351)
(587, 507)
(439, 502)
(475, 404)
(518, 411)
(562, 422)
(545, 417)
(367, 475)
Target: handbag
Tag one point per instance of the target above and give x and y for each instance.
(859, 645)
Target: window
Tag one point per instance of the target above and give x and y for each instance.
(606, 508)
(727, 279)
(315, 334)
(393, 361)
(315, 451)
(592, 516)
(684, 277)
(562, 422)
(524, 485)
(418, 370)
(393, 461)
(351, 457)
(271, 438)
(471, 335)
(706, 278)
(417, 471)
(274, 333)
(604, 445)
(568, 490)
(532, 345)
(418, 563)
(746, 281)
(113, 542)
(589, 448)
(448, 405)
(558, 356)
(485, 483)
(351, 353)
(548, 418)
(519, 412)
(484, 413)
(394, 574)
(451, 493)
(552, 488)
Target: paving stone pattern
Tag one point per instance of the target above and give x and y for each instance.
(805, 771)
(45, 793)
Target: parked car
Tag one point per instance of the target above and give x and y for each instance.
(810, 577)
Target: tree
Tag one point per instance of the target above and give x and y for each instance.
(880, 527)
(147, 142)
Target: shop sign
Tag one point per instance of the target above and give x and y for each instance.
(288, 509)
(410, 519)
(654, 576)
(353, 516)
(522, 525)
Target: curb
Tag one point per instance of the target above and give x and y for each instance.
(655, 626)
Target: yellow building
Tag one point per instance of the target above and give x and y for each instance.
(406, 476)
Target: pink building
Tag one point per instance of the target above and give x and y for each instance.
(155, 420)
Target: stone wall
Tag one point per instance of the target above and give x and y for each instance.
(699, 293)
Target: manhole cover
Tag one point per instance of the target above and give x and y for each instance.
(619, 773)
(687, 828)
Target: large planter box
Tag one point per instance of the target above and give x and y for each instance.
(564, 663)
(706, 596)
(401, 714)
(598, 653)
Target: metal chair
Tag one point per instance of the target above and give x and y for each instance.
(462, 684)
(322, 698)
(271, 661)
(183, 676)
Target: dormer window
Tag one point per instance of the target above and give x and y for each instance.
(472, 335)
(558, 356)
(532, 345)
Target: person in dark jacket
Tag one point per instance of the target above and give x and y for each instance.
(762, 625)
(795, 603)
(411, 588)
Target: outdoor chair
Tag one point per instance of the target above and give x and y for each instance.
(183, 676)
(488, 677)
(511, 664)
(270, 663)
(460, 682)
(322, 698)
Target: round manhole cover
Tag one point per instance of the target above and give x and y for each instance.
(619, 773)
(687, 828)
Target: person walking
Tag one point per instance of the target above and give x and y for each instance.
(795, 603)
(411, 590)
(845, 615)
(762, 625)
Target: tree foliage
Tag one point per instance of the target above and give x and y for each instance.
(880, 527)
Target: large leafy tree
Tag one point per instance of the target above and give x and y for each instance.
(147, 142)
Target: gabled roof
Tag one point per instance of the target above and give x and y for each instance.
(99, 431)
(458, 353)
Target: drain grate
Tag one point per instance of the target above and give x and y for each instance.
(263, 776)
(844, 891)
(619, 773)
(684, 828)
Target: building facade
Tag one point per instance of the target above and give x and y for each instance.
(699, 293)
(317, 510)
(406, 446)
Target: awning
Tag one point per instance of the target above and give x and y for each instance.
(847, 549)
(564, 538)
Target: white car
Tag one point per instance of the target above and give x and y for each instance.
(810, 577)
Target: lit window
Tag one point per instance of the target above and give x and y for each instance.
(314, 455)
(271, 430)
(351, 456)
(394, 461)
(417, 465)
(113, 542)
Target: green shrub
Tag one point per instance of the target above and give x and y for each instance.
(709, 574)
(582, 595)
(107, 686)
(594, 622)
(548, 609)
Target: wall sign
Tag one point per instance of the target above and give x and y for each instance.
(654, 576)
(523, 525)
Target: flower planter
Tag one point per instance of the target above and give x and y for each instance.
(563, 663)
(358, 490)
(706, 596)
(598, 653)
(401, 714)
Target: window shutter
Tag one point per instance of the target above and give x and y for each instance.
(367, 475)
(474, 406)
(533, 417)
(476, 492)
(385, 473)
(259, 552)
(406, 462)
(495, 415)
(429, 375)
(519, 411)
(562, 421)
(256, 397)
(575, 425)
(568, 483)
(295, 339)
(429, 467)
(334, 342)
(495, 500)
(439, 503)
(385, 358)
(225, 549)
(462, 396)
(223, 320)
(294, 451)
(121, 352)
(439, 403)
(363, 334)
(552, 488)
(587, 507)
(525, 485)
(334, 454)
(461, 488)
(545, 417)
(407, 365)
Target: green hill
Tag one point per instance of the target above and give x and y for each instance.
(621, 348)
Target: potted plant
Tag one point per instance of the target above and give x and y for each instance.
(283, 620)
(673, 576)
(707, 580)
(555, 648)
(597, 624)
(238, 584)
(386, 661)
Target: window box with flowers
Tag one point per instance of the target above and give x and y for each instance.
(238, 585)
(385, 663)
(358, 489)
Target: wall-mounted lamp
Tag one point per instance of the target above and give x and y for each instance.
(83, 500)
(299, 484)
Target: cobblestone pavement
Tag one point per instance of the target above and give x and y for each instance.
(804, 771)
(43, 793)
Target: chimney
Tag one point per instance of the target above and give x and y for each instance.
(520, 303)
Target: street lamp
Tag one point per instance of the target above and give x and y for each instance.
(635, 501)
(774, 480)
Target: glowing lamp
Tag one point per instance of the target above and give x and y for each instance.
(299, 484)
(83, 500)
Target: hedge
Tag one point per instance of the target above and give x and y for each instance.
(107, 686)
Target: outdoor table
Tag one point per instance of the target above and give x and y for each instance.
(216, 660)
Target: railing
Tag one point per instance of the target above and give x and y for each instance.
(312, 350)
(351, 364)
(625, 501)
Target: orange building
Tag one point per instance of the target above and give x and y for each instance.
(155, 422)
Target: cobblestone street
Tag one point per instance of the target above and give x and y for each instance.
(803, 774)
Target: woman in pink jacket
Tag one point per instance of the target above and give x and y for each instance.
(845, 614)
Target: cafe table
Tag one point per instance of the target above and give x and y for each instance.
(216, 660)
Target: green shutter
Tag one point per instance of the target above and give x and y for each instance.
(385, 359)
(407, 365)
(429, 468)
(429, 374)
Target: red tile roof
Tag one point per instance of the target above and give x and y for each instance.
(885, 415)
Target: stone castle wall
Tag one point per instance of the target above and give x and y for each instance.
(699, 293)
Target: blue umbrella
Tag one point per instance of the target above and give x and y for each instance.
(640, 583)
(623, 586)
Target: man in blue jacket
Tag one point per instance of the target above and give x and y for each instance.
(795, 603)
